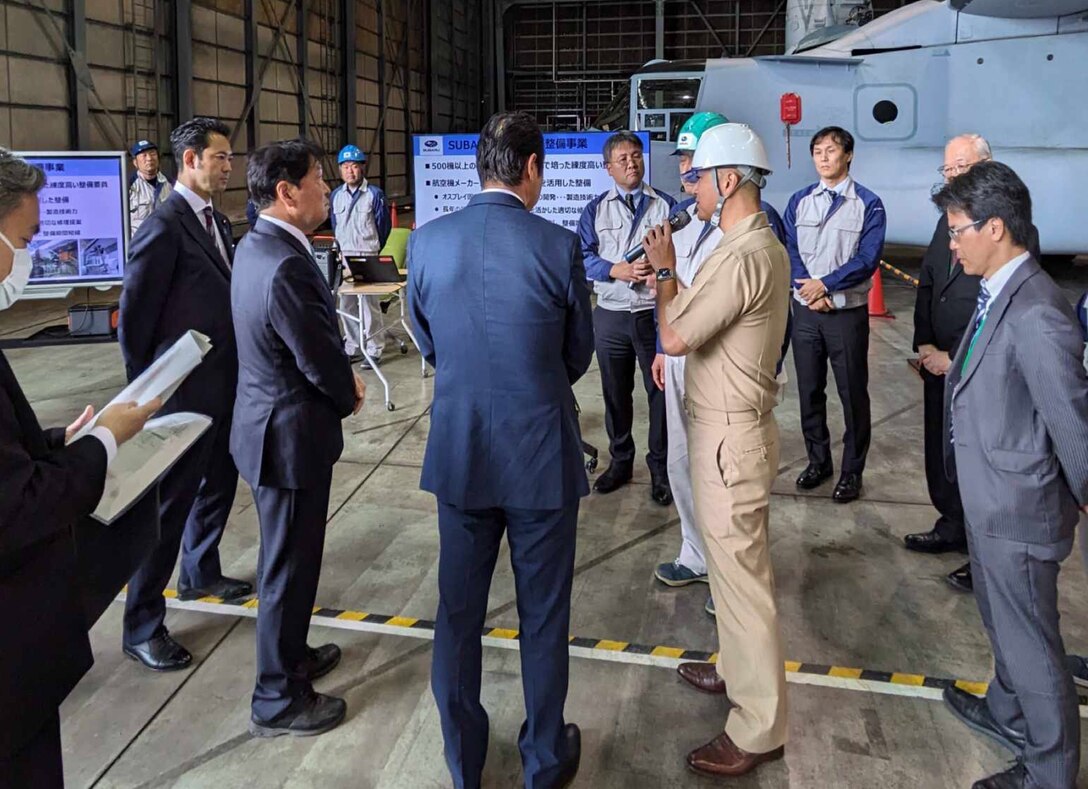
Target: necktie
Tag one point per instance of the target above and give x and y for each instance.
(980, 313)
(209, 225)
(630, 201)
(954, 258)
(976, 330)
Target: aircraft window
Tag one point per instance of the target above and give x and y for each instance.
(885, 111)
(656, 94)
(676, 120)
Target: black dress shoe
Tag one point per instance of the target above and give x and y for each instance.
(159, 653)
(225, 589)
(847, 489)
(661, 491)
(319, 662)
(960, 579)
(613, 478)
(932, 542)
(1013, 778)
(975, 713)
(307, 717)
(813, 476)
(572, 745)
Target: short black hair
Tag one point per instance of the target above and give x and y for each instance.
(286, 160)
(507, 141)
(617, 139)
(840, 135)
(195, 135)
(990, 190)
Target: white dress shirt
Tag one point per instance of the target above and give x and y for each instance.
(294, 231)
(198, 204)
(1000, 278)
(500, 189)
(104, 435)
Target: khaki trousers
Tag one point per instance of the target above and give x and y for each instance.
(734, 458)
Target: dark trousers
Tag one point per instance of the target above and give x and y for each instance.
(37, 765)
(943, 492)
(195, 500)
(542, 557)
(288, 569)
(841, 337)
(622, 339)
(1016, 588)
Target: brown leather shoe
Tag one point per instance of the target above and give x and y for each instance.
(703, 676)
(721, 756)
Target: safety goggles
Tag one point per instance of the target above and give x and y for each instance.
(691, 176)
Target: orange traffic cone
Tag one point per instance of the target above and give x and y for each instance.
(393, 214)
(876, 299)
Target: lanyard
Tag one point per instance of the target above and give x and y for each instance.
(974, 339)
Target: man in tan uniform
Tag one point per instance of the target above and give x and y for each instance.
(729, 324)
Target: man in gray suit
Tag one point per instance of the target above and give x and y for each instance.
(1016, 404)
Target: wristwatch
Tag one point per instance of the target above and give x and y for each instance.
(664, 274)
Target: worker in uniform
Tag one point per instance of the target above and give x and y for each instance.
(360, 221)
(693, 243)
(623, 322)
(148, 188)
(835, 236)
(730, 323)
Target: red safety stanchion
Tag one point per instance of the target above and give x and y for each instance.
(393, 214)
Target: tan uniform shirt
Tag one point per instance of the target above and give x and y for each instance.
(733, 317)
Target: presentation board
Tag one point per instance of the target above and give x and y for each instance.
(83, 239)
(444, 170)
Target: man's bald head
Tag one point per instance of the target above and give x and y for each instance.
(962, 152)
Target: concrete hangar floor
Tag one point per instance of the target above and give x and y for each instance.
(850, 597)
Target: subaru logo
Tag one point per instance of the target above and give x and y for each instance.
(430, 143)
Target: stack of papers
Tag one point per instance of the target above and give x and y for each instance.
(141, 461)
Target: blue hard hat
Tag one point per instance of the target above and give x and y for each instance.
(350, 153)
(141, 146)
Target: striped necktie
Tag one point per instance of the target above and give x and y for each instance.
(983, 300)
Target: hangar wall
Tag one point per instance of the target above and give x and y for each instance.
(99, 74)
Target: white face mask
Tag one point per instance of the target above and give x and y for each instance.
(12, 286)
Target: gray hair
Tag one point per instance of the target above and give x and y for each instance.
(18, 178)
(982, 147)
(618, 139)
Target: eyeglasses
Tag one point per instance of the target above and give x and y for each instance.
(952, 170)
(954, 232)
(623, 161)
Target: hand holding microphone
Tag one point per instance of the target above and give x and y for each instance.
(661, 236)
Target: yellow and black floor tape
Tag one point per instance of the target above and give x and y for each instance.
(869, 680)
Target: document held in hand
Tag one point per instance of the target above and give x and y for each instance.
(141, 461)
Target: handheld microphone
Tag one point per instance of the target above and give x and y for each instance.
(677, 221)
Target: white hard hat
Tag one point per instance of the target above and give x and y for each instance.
(730, 145)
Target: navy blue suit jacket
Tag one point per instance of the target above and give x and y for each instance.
(176, 280)
(500, 302)
(295, 383)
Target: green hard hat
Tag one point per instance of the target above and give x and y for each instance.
(693, 129)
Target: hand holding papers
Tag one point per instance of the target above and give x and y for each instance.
(154, 449)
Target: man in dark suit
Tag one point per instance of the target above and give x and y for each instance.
(295, 385)
(178, 278)
(500, 304)
(46, 488)
(944, 306)
(1016, 405)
